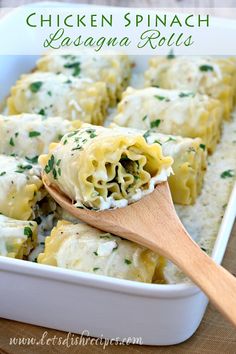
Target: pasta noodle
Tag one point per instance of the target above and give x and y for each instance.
(20, 187)
(101, 168)
(189, 164)
(29, 135)
(114, 70)
(50, 95)
(215, 77)
(84, 248)
(17, 237)
(172, 112)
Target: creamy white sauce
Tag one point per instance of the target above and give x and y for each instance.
(106, 248)
(11, 179)
(203, 219)
(19, 127)
(137, 104)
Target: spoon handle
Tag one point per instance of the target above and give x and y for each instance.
(216, 282)
(174, 242)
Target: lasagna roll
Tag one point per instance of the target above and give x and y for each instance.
(17, 237)
(172, 112)
(103, 168)
(189, 165)
(51, 95)
(84, 248)
(20, 187)
(214, 77)
(114, 70)
(29, 135)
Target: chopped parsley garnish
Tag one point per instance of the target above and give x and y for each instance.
(65, 142)
(75, 66)
(160, 98)
(227, 173)
(105, 236)
(202, 146)
(72, 134)
(92, 135)
(54, 172)
(35, 86)
(206, 68)
(48, 168)
(59, 137)
(144, 118)
(68, 81)
(127, 261)
(16, 134)
(28, 232)
(58, 162)
(2, 173)
(11, 142)
(171, 55)
(42, 112)
(95, 268)
(77, 148)
(158, 142)
(146, 134)
(204, 249)
(96, 254)
(32, 159)
(34, 133)
(22, 168)
(91, 132)
(170, 139)
(49, 93)
(155, 123)
(186, 94)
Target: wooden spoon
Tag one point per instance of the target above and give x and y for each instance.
(152, 222)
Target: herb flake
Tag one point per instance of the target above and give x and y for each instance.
(206, 68)
(28, 232)
(11, 142)
(35, 86)
(127, 261)
(155, 123)
(202, 146)
(227, 174)
(34, 133)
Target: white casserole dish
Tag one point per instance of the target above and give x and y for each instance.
(112, 308)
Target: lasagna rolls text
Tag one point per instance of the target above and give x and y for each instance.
(207, 75)
(29, 135)
(51, 95)
(20, 187)
(114, 70)
(82, 247)
(17, 237)
(172, 112)
(102, 168)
